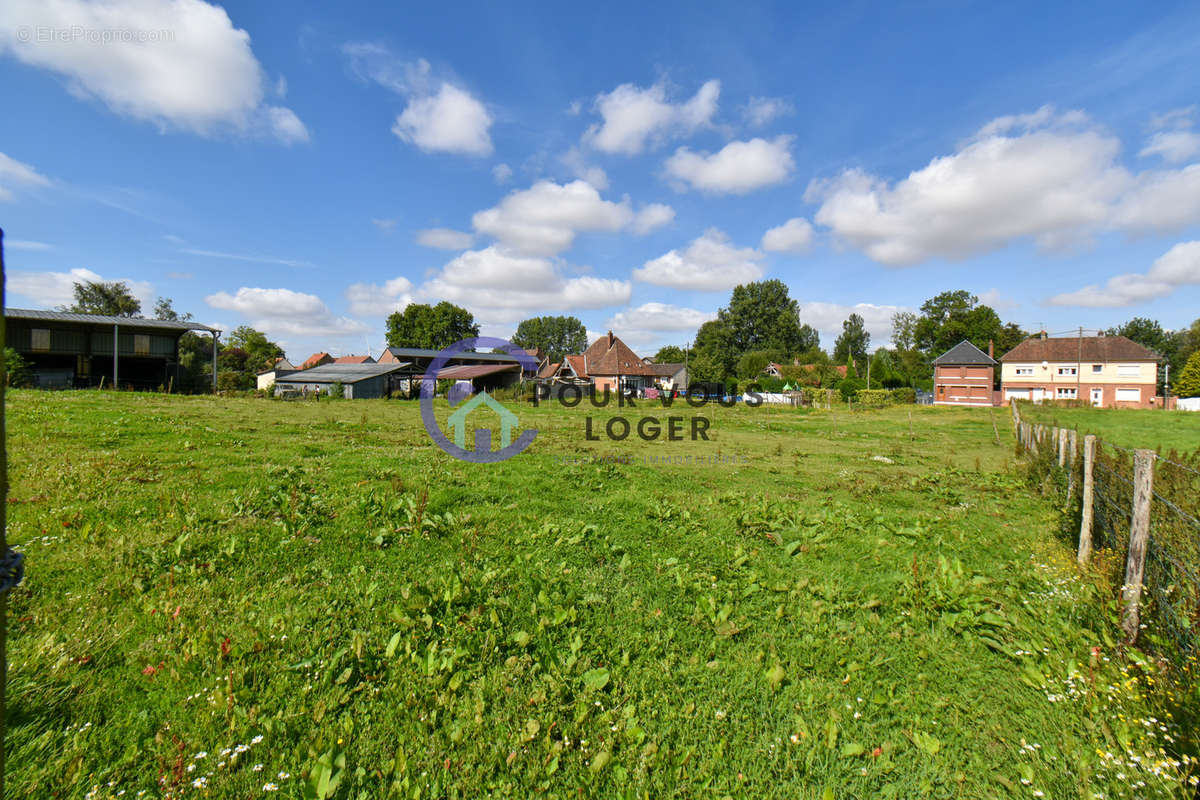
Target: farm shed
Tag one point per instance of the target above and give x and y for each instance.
(359, 381)
(482, 376)
(421, 358)
(67, 350)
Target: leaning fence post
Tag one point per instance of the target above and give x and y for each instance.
(1139, 537)
(1071, 452)
(1062, 447)
(1089, 489)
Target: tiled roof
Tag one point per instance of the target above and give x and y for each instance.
(664, 370)
(354, 360)
(549, 370)
(964, 353)
(608, 355)
(1100, 349)
(315, 359)
(576, 364)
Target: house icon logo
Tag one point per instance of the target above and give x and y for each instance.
(475, 409)
(483, 436)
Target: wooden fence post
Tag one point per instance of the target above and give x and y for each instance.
(1062, 447)
(1089, 489)
(1139, 537)
(1071, 453)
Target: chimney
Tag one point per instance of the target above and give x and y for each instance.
(610, 339)
(1042, 335)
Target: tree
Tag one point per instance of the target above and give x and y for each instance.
(714, 342)
(260, 351)
(1188, 382)
(430, 327)
(111, 299)
(670, 355)
(165, 310)
(904, 330)
(16, 369)
(761, 316)
(854, 341)
(1146, 332)
(752, 364)
(556, 336)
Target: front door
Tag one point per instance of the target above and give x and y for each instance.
(1097, 397)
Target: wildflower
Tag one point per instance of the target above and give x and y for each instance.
(257, 767)
(269, 787)
(256, 739)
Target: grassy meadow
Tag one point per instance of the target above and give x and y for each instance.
(1128, 427)
(248, 598)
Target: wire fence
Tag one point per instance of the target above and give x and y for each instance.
(1137, 513)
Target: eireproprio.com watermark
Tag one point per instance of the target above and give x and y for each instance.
(49, 34)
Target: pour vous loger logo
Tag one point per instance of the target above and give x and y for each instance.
(475, 409)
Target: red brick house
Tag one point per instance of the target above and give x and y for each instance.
(606, 364)
(316, 360)
(1104, 371)
(963, 375)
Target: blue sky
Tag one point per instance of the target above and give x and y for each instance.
(306, 168)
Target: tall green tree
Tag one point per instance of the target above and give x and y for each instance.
(260, 351)
(714, 342)
(164, 308)
(556, 336)
(1188, 382)
(853, 341)
(761, 316)
(670, 355)
(111, 299)
(430, 327)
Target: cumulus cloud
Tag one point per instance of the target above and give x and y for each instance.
(1050, 177)
(285, 313)
(445, 239)
(737, 168)
(440, 116)
(709, 263)
(764, 110)
(659, 317)
(793, 236)
(1179, 266)
(652, 217)
(1172, 140)
(827, 318)
(54, 289)
(574, 160)
(502, 174)
(373, 300)
(179, 63)
(636, 118)
(15, 173)
(544, 219)
(501, 286)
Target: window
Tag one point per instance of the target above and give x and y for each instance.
(1129, 370)
(1129, 395)
(141, 344)
(1024, 370)
(41, 339)
(1066, 393)
(1067, 370)
(1097, 369)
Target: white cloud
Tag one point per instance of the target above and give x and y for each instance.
(652, 217)
(16, 173)
(177, 63)
(574, 160)
(502, 174)
(1179, 266)
(709, 263)
(450, 120)
(763, 110)
(737, 168)
(1051, 177)
(827, 318)
(635, 118)
(372, 300)
(1173, 146)
(54, 289)
(793, 236)
(282, 313)
(440, 116)
(445, 239)
(500, 286)
(997, 301)
(544, 219)
(384, 225)
(284, 262)
(660, 317)
(26, 244)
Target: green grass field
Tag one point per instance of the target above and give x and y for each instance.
(1127, 427)
(247, 598)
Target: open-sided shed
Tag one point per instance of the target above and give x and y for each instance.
(359, 381)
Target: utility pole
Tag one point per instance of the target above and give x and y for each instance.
(1079, 368)
(1166, 384)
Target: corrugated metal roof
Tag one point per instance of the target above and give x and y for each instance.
(345, 373)
(100, 319)
(468, 371)
(417, 352)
